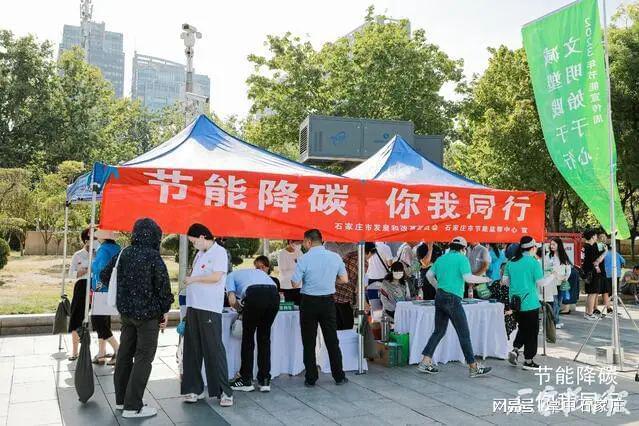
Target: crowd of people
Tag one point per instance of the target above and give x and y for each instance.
(322, 281)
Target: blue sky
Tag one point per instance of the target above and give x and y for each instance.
(233, 29)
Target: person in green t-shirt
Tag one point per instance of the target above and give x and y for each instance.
(522, 274)
(448, 275)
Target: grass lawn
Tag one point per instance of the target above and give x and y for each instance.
(31, 284)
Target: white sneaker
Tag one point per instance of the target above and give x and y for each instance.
(192, 398)
(119, 406)
(559, 326)
(145, 411)
(590, 317)
(226, 401)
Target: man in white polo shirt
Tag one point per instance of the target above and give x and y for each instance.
(203, 333)
(378, 265)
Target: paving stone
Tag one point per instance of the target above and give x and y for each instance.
(501, 419)
(335, 408)
(4, 405)
(33, 374)
(162, 389)
(302, 416)
(29, 361)
(65, 379)
(96, 411)
(199, 413)
(34, 391)
(450, 415)
(369, 419)
(34, 413)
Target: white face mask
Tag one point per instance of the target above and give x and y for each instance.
(398, 275)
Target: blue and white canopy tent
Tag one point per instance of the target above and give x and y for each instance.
(202, 145)
(398, 162)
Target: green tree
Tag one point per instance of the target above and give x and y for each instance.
(500, 127)
(5, 251)
(16, 205)
(624, 79)
(382, 73)
(27, 77)
(49, 197)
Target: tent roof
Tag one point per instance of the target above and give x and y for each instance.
(397, 161)
(80, 190)
(203, 145)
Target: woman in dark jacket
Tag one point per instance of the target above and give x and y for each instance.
(143, 300)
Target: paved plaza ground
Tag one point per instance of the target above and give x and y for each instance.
(36, 387)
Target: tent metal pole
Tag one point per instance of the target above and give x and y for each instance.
(183, 257)
(64, 259)
(91, 236)
(361, 270)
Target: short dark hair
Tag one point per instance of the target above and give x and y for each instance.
(588, 234)
(264, 260)
(635, 267)
(314, 235)
(85, 235)
(370, 248)
(198, 230)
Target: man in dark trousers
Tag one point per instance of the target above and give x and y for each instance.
(315, 273)
(260, 301)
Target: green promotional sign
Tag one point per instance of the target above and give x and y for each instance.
(567, 66)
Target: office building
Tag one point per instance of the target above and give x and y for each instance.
(158, 82)
(106, 51)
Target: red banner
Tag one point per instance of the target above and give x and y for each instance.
(248, 204)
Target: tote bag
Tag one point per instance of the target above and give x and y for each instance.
(112, 298)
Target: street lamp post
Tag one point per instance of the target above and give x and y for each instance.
(189, 35)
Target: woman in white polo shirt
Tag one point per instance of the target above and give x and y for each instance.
(203, 332)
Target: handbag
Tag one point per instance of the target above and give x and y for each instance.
(112, 297)
(181, 327)
(483, 292)
(100, 305)
(515, 303)
(236, 327)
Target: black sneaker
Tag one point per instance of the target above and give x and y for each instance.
(309, 384)
(598, 313)
(342, 382)
(530, 366)
(513, 356)
(427, 368)
(479, 370)
(264, 385)
(242, 385)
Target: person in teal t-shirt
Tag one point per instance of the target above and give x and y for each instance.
(448, 275)
(522, 273)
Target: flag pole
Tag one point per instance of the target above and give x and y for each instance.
(613, 226)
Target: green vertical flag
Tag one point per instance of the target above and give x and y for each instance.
(567, 66)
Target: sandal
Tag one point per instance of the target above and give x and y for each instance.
(99, 360)
(112, 360)
(72, 358)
